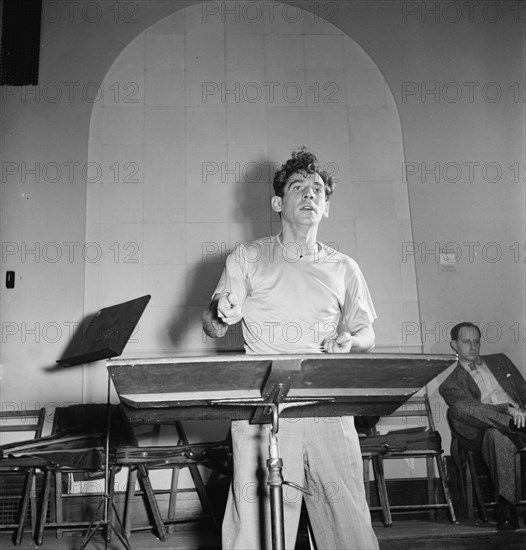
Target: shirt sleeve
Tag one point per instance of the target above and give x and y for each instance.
(358, 310)
(234, 277)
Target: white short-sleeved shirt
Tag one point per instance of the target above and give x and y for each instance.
(292, 303)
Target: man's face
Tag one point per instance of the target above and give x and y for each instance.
(467, 345)
(303, 200)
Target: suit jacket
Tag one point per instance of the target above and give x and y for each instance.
(468, 416)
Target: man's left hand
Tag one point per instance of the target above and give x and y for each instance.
(341, 344)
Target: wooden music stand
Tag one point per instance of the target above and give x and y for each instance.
(264, 388)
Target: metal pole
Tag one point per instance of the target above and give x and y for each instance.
(275, 482)
(106, 516)
(105, 523)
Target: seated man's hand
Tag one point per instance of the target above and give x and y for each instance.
(518, 416)
(229, 309)
(341, 344)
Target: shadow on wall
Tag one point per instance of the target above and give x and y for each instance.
(251, 194)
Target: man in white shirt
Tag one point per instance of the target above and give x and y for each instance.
(487, 413)
(294, 295)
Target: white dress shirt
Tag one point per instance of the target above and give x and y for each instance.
(491, 392)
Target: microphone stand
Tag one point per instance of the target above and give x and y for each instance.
(275, 482)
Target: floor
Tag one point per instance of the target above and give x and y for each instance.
(403, 535)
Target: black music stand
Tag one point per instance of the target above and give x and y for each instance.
(102, 336)
(263, 388)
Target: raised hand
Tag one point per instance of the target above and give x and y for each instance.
(229, 309)
(341, 344)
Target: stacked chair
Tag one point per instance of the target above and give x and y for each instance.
(76, 451)
(18, 473)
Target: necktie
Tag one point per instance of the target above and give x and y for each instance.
(474, 364)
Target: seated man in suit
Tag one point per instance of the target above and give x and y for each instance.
(487, 413)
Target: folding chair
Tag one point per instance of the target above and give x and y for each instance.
(21, 470)
(214, 455)
(474, 479)
(371, 456)
(365, 426)
(420, 442)
(89, 420)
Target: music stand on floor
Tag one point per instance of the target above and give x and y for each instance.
(101, 337)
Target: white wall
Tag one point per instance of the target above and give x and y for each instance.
(407, 44)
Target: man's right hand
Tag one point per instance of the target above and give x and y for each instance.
(519, 417)
(229, 309)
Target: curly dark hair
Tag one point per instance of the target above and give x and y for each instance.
(305, 162)
(456, 329)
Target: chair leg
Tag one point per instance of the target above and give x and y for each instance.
(378, 469)
(518, 477)
(445, 488)
(146, 486)
(473, 485)
(467, 482)
(43, 508)
(366, 476)
(128, 503)
(58, 503)
(33, 504)
(198, 481)
(172, 503)
(26, 496)
(431, 498)
(203, 495)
